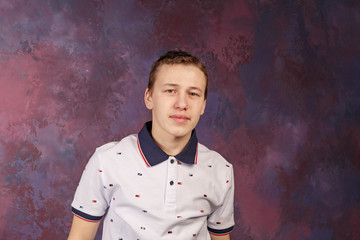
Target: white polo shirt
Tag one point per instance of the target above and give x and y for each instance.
(144, 194)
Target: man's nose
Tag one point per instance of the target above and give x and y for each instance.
(181, 101)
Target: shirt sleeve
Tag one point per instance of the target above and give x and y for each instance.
(89, 202)
(221, 221)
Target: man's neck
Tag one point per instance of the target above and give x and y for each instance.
(172, 146)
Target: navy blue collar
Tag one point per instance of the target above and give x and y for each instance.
(153, 154)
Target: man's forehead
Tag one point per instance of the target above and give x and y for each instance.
(168, 81)
(186, 69)
(180, 75)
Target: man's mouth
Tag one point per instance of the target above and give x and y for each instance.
(180, 118)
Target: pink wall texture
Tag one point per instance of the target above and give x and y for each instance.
(283, 105)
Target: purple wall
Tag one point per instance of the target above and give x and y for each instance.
(283, 105)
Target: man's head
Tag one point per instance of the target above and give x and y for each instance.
(176, 95)
(176, 57)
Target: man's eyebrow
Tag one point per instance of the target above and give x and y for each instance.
(176, 85)
(196, 88)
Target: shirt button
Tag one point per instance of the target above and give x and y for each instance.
(171, 183)
(172, 161)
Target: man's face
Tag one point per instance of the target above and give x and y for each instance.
(176, 100)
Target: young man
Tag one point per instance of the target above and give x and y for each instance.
(160, 183)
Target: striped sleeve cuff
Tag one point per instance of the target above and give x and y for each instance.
(84, 216)
(220, 232)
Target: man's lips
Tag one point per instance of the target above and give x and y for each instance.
(179, 118)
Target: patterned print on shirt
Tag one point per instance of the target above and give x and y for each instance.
(183, 183)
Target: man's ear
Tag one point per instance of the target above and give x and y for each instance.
(148, 99)
(203, 107)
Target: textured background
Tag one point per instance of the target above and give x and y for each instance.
(283, 105)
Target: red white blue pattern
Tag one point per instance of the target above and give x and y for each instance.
(141, 197)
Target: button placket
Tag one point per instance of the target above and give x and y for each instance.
(170, 194)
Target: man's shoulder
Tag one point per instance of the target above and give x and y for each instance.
(116, 145)
(211, 155)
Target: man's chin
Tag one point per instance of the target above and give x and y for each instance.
(182, 133)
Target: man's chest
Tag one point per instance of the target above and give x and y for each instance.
(171, 187)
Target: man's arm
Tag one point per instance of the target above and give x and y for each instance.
(225, 237)
(83, 230)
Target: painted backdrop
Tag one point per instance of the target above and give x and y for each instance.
(283, 106)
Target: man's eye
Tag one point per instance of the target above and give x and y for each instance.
(170, 91)
(194, 94)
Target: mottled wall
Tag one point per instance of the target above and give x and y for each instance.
(283, 105)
